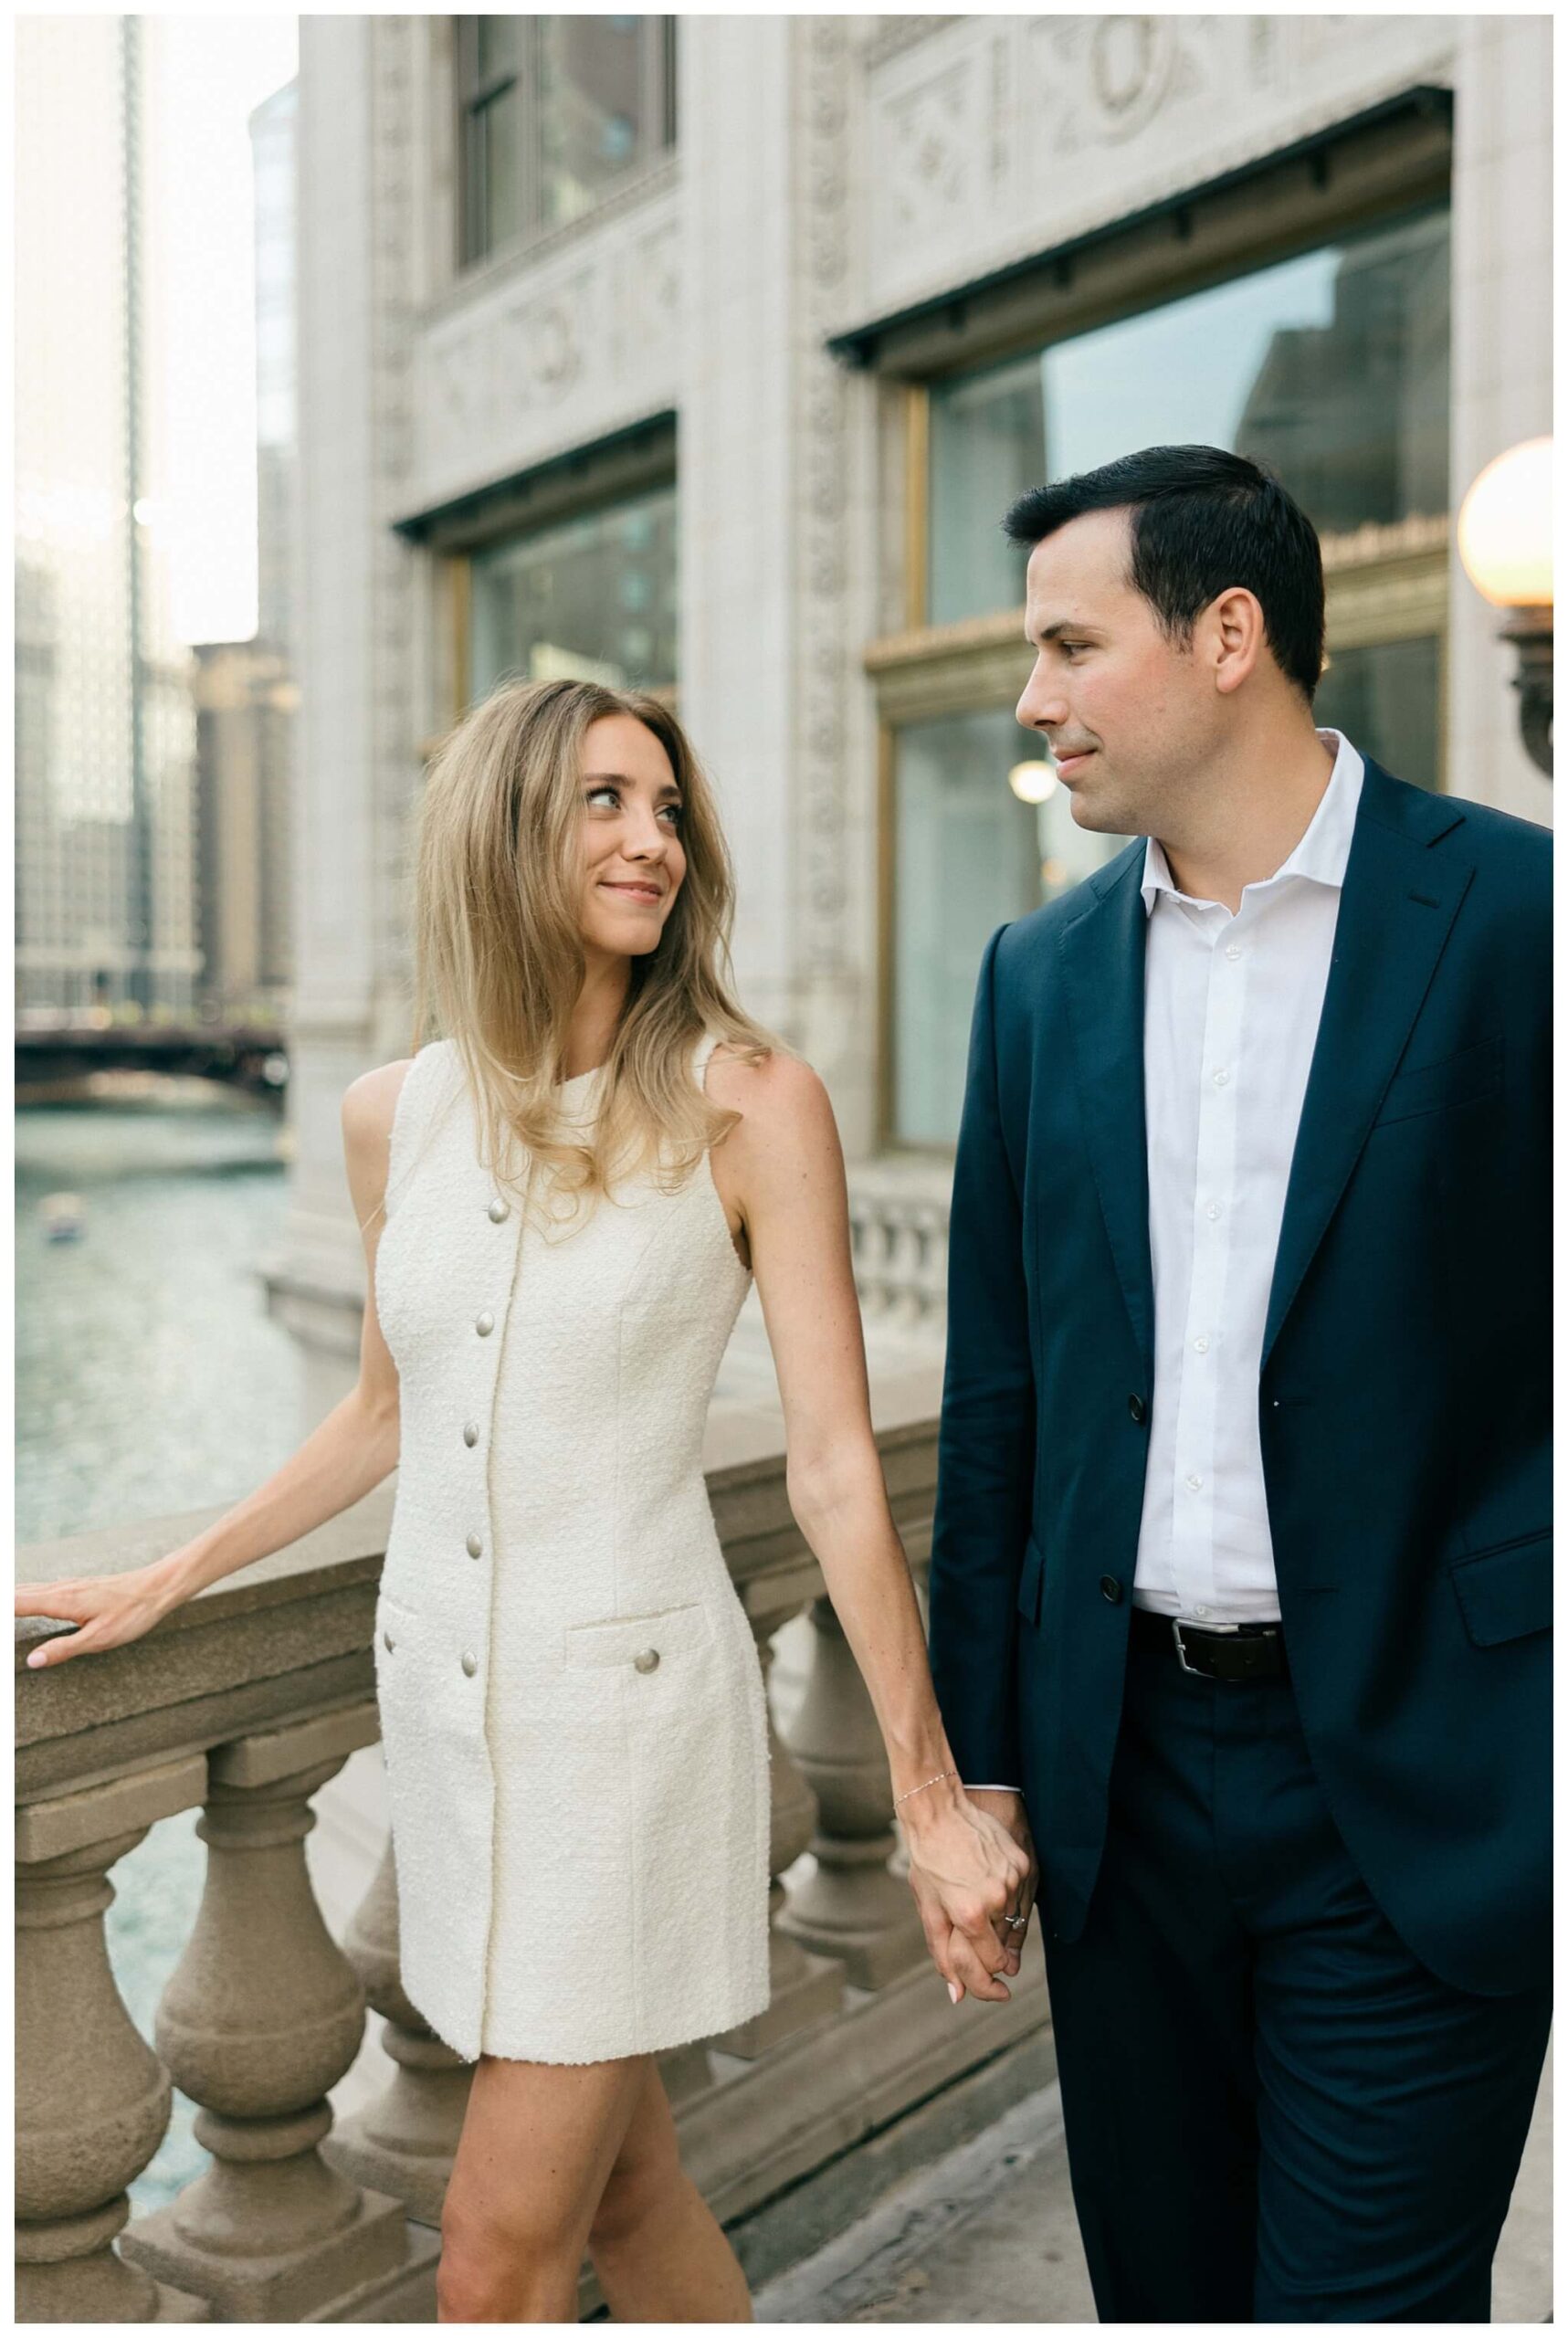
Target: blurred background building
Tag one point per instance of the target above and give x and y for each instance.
(246, 694)
(706, 352)
(105, 733)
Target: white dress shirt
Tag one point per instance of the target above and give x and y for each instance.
(1231, 1008)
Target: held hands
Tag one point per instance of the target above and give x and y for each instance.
(971, 1866)
(107, 1610)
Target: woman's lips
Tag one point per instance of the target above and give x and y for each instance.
(633, 892)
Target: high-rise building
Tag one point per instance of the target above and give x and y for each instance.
(104, 874)
(246, 699)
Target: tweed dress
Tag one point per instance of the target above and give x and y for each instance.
(572, 1713)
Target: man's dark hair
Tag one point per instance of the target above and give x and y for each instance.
(1203, 520)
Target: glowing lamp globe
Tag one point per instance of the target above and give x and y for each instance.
(1033, 783)
(1505, 528)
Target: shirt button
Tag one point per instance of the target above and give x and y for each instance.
(1212, 1210)
(1194, 1481)
(1231, 949)
(485, 1324)
(648, 1660)
(1200, 1611)
(387, 1642)
(475, 1547)
(1202, 1347)
(470, 1432)
(498, 1210)
(1221, 1079)
(470, 1662)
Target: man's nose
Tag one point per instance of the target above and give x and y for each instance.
(1042, 706)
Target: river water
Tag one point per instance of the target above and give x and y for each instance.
(151, 1378)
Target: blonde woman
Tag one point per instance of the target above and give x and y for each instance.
(564, 1201)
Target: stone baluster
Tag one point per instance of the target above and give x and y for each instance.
(804, 1987)
(92, 2098)
(404, 2142)
(853, 1907)
(263, 2014)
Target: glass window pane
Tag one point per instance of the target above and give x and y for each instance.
(1333, 367)
(986, 436)
(496, 50)
(968, 853)
(594, 598)
(596, 97)
(496, 128)
(1385, 700)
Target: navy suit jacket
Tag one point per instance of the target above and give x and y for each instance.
(1403, 1396)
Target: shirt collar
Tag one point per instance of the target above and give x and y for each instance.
(1322, 853)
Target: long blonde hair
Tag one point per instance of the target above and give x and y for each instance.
(499, 958)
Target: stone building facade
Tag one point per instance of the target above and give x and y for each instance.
(723, 354)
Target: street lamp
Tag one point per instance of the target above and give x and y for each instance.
(1505, 543)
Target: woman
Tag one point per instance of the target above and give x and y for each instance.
(563, 1204)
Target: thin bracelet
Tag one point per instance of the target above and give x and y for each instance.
(921, 1789)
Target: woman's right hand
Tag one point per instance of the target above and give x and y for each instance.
(108, 1610)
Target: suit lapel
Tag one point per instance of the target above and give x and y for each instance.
(1102, 955)
(1397, 907)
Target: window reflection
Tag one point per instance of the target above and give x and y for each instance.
(1386, 699)
(1333, 367)
(593, 597)
(968, 855)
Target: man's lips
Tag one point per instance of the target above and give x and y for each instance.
(1065, 763)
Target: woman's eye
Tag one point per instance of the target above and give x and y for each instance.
(614, 793)
(676, 813)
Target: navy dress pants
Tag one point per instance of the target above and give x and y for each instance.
(1273, 2112)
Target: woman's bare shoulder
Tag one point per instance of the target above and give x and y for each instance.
(370, 1100)
(779, 1094)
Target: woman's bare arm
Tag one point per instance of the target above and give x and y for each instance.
(352, 1451)
(780, 1173)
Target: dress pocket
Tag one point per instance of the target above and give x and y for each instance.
(632, 1640)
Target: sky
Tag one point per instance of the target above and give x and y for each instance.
(213, 71)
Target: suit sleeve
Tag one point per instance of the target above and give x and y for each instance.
(986, 1448)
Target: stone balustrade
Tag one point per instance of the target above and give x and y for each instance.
(245, 1703)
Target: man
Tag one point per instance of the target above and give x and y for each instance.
(1241, 1568)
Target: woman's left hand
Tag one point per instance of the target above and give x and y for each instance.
(968, 1874)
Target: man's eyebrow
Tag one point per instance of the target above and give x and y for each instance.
(1054, 632)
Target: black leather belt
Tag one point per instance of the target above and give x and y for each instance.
(1215, 1651)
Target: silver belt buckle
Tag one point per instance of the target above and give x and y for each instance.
(1176, 1623)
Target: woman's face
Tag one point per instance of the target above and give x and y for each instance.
(633, 863)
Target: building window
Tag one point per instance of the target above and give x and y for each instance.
(556, 112)
(1333, 367)
(592, 596)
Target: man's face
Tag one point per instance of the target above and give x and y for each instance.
(1126, 713)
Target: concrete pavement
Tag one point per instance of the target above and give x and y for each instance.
(986, 2233)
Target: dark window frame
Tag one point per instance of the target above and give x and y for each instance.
(477, 99)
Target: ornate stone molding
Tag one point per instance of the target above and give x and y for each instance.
(824, 60)
(551, 354)
(995, 136)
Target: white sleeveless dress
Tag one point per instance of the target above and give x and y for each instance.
(572, 1713)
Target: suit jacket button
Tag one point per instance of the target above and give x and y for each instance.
(1139, 1409)
(648, 1660)
(1110, 1588)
